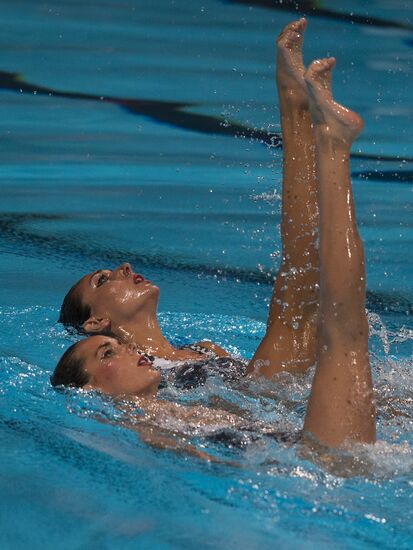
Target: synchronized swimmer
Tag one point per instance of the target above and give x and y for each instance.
(316, 316)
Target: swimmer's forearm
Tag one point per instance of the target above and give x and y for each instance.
(158, 438)
(167, 442)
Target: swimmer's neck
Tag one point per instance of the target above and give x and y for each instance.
(145, 332)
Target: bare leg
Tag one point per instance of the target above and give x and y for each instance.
(290, 340)
(340, 408)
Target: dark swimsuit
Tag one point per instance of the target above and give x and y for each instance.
(229, 369)
(191, 374)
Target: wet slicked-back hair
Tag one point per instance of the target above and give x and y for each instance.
(70, 370)
(74, 312)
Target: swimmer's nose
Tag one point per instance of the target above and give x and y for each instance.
(132, 347)
(124, 270)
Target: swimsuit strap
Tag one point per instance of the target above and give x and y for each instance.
(202, 350)
(199, 348)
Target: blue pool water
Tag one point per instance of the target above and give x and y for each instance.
(146, 132)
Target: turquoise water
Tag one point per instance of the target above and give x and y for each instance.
(129, 135)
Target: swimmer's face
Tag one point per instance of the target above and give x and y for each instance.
(117, 369)
(118, 294)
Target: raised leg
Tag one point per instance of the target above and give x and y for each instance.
(340, 408)
(290, 340)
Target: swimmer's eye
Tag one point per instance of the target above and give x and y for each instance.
(102, 279)
(107, 353)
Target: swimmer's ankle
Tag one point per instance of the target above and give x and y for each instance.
(292, 98)
(293, 108)
(329, 141)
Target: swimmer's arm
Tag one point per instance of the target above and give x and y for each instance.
(164, 440)
(220, 352)
(161, 439)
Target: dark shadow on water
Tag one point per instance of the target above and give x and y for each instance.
(397, 176)
(171, 113)
(165, 112)
(313, 8)
(72, 250)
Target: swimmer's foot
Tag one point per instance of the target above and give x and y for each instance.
(290, 68)
(329, 117)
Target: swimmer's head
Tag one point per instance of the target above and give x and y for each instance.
(70, 370)
(103, 363)
(106, 299)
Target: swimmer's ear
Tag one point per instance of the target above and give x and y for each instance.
(96, 325)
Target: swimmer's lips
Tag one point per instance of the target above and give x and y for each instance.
(138, 279)
(143, 361)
